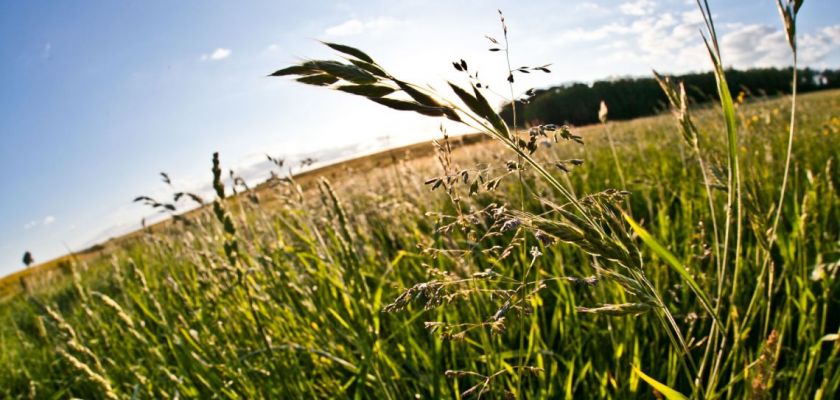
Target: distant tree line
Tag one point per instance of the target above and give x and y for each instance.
(627, 98)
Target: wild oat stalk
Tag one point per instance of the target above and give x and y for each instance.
(231, 244)
(788, 12)
(716, 342)
(105, 387)
(603, 113)
(679, 106)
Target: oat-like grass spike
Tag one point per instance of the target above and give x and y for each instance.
(231, 244)
(364, 77)
(192, 196)
(218, 186)
(788, 11)
(678, 100)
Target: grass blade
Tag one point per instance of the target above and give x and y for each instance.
(669, 257)
(660, 387)
(352, 51)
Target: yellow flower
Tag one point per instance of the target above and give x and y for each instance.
(741, 97)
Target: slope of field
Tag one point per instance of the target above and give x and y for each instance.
(369, 284)
(43, 274)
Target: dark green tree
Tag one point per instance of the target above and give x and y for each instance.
(27, 259)
(577, 103)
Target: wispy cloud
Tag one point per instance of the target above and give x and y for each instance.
(588, 6)
(218, 54)
(48, 220)
(356, 26)
(670, 41)
(638, 7)
(832, 32)
(582, 34)
(758, 45)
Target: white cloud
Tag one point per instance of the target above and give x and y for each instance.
(588, 6)
(754, 45)
(218, 54)
(832, 32)
(48, 220)
(692, 17)
(664, 37)
(638, 7)
(653, 35)
(356, 27)
(764, 46)
(351, 27)
(272, 48)
(47, 51)
(671, 42)
(601, 32)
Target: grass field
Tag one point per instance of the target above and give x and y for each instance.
(45, 273)
(371, 285)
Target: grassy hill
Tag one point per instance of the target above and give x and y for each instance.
(43, 274)
(411, 273)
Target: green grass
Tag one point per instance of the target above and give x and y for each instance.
(298, 312)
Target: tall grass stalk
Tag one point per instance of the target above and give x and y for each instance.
(678, 99)
(602, 116)
(788, 14)
(733, 205)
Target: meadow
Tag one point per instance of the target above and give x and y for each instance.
(635, 259)
(303, 317)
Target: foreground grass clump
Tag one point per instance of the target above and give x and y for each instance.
(296, 309)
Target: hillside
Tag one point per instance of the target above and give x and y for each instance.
(45, 273)
(404, 272)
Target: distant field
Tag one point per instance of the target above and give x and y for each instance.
(44, 273)
(299, 295)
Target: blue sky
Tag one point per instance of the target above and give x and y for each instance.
(98, 97)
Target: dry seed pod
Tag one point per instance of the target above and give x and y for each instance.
(602, 112)
(617, 309)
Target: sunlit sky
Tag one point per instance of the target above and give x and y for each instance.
(98, 97)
